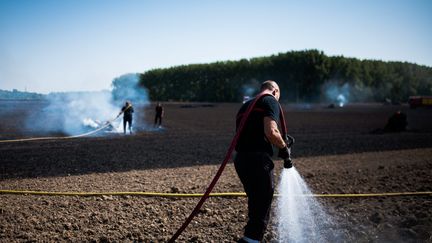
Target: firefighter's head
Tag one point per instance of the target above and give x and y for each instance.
(272, 87)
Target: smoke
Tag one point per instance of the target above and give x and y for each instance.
(74, 113)
(337, 94)
(89, 122)
(249, 90)
(344, 93)
(126, 87)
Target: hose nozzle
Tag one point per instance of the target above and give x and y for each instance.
(288, 163)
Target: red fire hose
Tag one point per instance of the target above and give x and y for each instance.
(222, 166)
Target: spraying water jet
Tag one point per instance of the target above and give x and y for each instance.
(300, 217)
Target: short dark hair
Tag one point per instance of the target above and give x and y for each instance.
(267, 85)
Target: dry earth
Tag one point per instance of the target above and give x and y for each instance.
(335, 153)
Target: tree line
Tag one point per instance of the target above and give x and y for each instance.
(19, 95)
(303, 76)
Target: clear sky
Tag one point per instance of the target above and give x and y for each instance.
(73, 45)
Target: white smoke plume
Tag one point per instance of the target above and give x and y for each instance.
(74, 113)
(342, 93)
(249, 90)
(126, 87)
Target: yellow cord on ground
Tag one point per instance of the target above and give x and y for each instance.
(221, 194)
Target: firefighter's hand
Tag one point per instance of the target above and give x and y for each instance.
(284, 153)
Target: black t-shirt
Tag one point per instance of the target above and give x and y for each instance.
(159, 110)
(127, 112)
(252, 137)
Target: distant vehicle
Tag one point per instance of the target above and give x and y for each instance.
(420, 101)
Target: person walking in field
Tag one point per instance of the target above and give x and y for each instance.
(253, 162)
(158, 116)
(127, 111)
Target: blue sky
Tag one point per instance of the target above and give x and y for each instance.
(72, 45)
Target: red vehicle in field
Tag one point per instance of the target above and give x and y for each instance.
(420, 101)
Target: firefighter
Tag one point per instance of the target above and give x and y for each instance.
(158, 115)
(253, 162)
(127, 111)
(396, 123)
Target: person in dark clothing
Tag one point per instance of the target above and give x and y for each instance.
(253, 162)
(396, 123)
(159, 114)
(127, 111)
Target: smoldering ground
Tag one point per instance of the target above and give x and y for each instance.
(72, 113)
(341, 92)
(333, 91)
(334, 153)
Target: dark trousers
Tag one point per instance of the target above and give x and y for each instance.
(127, 120)
(158, 118)
(255, 170)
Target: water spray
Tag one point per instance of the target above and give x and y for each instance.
(300, 217)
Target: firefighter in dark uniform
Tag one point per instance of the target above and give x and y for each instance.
(127, 111)
(253, 161)
(396, 123)
(159, 114)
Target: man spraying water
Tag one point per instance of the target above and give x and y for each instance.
(253, 161)
(127, 111)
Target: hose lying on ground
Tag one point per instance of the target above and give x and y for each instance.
(108, 123)
(218, 194)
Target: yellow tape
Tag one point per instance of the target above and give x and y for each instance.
(221, 194)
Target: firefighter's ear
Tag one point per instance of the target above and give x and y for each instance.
(274, 92)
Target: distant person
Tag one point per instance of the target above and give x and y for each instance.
(253, 161)
(396, 123)
(127, 111)
(158, 116)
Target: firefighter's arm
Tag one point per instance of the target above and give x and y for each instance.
(272, 132)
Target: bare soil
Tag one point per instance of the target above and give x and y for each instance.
(334, 152)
